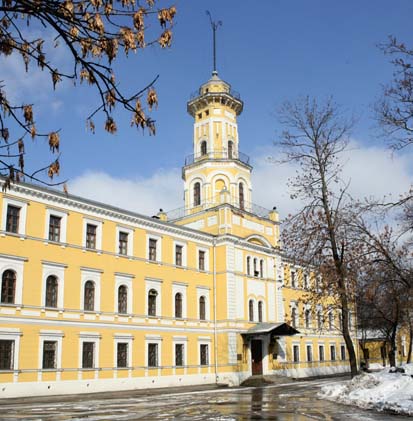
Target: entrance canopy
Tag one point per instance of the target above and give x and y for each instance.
(273, 329)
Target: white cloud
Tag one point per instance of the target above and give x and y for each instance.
(164, 189)
(372, 171)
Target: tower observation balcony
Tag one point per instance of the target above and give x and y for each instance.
(218, 155)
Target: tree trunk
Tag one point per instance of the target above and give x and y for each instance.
(347, 336)
(409, 352)
(393, 347)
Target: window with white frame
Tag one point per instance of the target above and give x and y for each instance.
(307, 317)
(154, 248)
(55, 226)
(92, 234)
(153, 351)
(124, 241)
(251, 310)
(11, 278)
(123, 294)
(293, 279)
(321, 356)
(179, 299)
(9, 348)
(296, 353)
(14, 216)
(53, 285)
(309, 352)
(123, 350)
(89, 350)
(179, 351)
(203, 302)
(153, 298)
(306, 282)
(179, 254)
(90, 290)
(50, 355)
(294, 315)
(260, 311)
(203, 354)
(203, 259)
(343, 352)
(332, 352)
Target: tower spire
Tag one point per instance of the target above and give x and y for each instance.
(214, 26)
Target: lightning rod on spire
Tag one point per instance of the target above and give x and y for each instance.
(214, 26)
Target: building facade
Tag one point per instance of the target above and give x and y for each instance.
(96, 298)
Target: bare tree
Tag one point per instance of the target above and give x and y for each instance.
(314, 137)
(92, 32)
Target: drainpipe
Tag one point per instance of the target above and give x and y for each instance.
(215, 310)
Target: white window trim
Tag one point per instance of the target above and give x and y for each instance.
(155, 284)
(312, 352)
(122, 338)
(299, 351)
(55, 336)
(206, 251)
(149, 339)
(63, 224)
(98, 225)
(127, 281)
(89, 337)
(179, 340)
(158, 239)
(184, 253)
(333, 344)
(204, 341)
(129, 231)
(85, 276)
(55, 270)
(22, 215)
(264, 318)
(324, 351)
(12, 334)
(179, 288)
(17, 266)
(205, 292)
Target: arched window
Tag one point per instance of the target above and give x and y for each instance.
(123, 299)
(307, 317)
(294, 317)
(230, 149)
(197, 194)
(8, 287)
(319, 319)
(251, 310)
(248, 265)
(202, 308)
(178, 305)
(261, 268)
(203, 148)
(260, 309)
(89, 296)
(255, 267)
(51, 291)
(330, 320)
(152, 294)
(241, 196)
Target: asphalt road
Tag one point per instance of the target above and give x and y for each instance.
(283, 402)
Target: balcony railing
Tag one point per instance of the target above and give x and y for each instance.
(221, 155)
(249, 207)
(231, 92)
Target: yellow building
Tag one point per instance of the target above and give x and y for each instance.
(96, 298)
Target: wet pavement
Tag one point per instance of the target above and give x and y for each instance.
(284, 402)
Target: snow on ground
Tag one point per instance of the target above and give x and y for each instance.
(382, 391)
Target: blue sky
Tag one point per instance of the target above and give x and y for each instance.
(269, 51)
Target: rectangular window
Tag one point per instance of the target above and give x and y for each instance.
(91, 236)
(201, 260)
(204, 354)
(309, 353)
(293, 280)
(296, 353)
(305, 281)
(122, 357)
(178, 255)
(321, 352)
(49, 354)
(179, 355)
(6, 354)
(332, 352)
(343, 352)
(54, 228)
(152, 355)
(152, 249)
(88, 354)
(123, 243)
(12, 221)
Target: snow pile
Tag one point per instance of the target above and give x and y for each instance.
(382, 391)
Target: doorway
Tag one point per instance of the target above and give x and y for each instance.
(256, 357)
